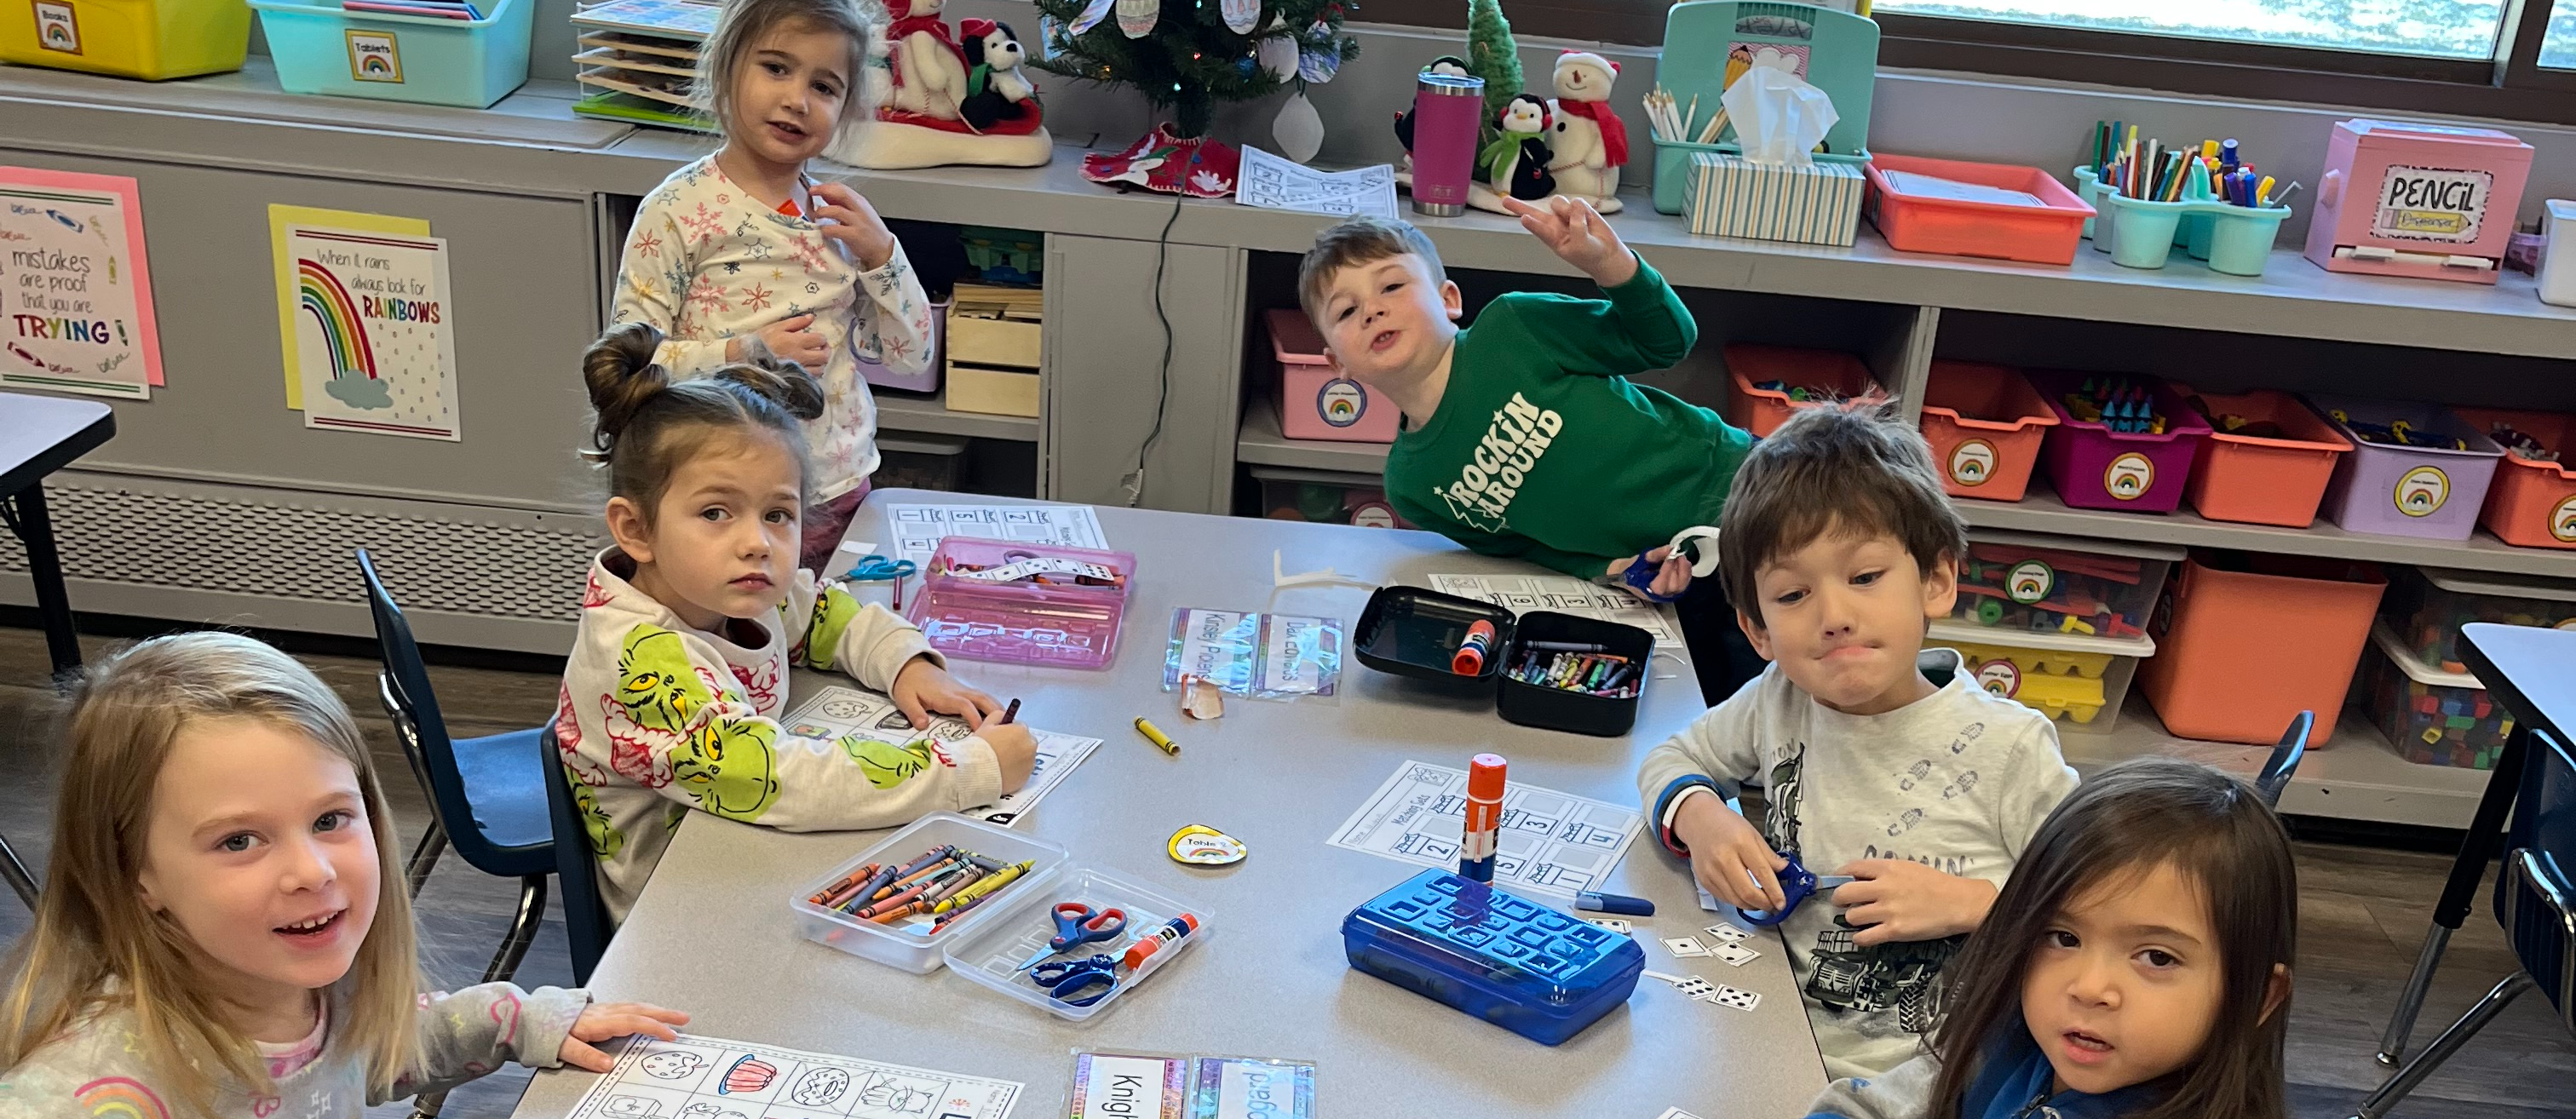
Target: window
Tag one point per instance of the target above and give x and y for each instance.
(2558, 48)
(2455, 29)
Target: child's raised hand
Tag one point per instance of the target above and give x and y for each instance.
(1902, 900)
(607, 1021)
(923, 687)
(794, 339)
(1016, 748)
(1578, 235)
(1672, 576)
(1728, 856)
(854, 223)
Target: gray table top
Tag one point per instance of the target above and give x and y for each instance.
(712, 933)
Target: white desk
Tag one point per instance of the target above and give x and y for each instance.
(711, 934)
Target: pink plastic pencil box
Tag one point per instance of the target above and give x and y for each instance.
(2420, 200)
(995, 600)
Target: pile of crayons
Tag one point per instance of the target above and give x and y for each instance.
(2398, 433)
(2150, 171)
(2115, 403)
(1577, 667)
(431, 9)
(944, 882)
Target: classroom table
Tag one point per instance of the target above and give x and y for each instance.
(2530, 671)
(40, 435)
(712, 933)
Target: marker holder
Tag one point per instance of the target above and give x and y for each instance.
(2144, 234)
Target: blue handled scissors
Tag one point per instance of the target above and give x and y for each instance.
(1071, 981)
(1077, 924)
(1797, 884)
(877, 569)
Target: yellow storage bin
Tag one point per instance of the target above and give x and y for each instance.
(2078, 681)
(151, 39)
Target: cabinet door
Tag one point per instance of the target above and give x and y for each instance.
(1104, 363)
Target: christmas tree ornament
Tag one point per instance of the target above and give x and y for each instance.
(1136, 18)
(1317, 67)
(1299, 128)
(1090, 17)
(1279, 56)
(1241, 16)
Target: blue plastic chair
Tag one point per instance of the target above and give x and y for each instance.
(486, 795)
(2535, 901)
(586, 922)
(2284, 762)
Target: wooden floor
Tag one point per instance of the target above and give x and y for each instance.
(2363, 912)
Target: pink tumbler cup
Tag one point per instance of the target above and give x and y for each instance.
(1448, 110)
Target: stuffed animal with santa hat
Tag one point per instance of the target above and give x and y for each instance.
(995, 87)
(928, 68)
(1589, 140)
(1515, 164)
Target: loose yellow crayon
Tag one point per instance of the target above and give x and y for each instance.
(1156, 736)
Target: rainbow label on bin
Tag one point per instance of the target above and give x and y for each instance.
(2030, 581)
(2421, 491)
(2562, 524)
(2002, 677)
(374, 56)
(1972, 462)
(1341, 402)
(2129, 477)
(57, 27)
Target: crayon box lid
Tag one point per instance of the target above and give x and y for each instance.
(1505, 947)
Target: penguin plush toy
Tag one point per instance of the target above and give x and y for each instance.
(1515, 164)
(1445, 64)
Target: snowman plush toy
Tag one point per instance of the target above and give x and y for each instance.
(1515, 164)
(1589, 140)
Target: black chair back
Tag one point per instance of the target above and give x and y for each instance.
(586, 923)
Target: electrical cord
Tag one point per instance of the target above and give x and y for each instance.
(1163, 386)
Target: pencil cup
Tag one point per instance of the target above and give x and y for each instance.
(2090, 189)
(2240, 240)
(2142, 233)
(2192, 233)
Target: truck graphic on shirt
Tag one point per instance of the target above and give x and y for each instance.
(1905, 977)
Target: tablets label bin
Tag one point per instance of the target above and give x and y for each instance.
(321, 49)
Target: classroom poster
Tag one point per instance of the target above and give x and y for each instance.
(374, 341)
(75, 295)
(280, 218)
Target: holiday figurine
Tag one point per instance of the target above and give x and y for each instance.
(937, 103)
(1590, 141)
(1516, 164)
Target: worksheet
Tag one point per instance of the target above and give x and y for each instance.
(1272, 183)
(917, 528)
(1565, 594)
(837, 711)
(711, 1078)
(1552, 842)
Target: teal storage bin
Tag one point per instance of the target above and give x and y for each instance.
(320, 49)
(2144, 234)
(1705, 40)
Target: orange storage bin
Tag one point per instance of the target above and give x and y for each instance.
(1760, 410)
(2244, 642)
(2532, 503)
(1985, 424)
(1937, 218)
(2259, 479)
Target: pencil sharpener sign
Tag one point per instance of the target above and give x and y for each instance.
(2421, 491)
(375, 56)
(2432, 204)
(57, 27)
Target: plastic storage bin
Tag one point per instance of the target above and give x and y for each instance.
(919, 462)
(1005, 256)
(995, 600)
(2431, 492)
(319, 48)
(1315, 402)
(1985, 424)
(151, 39)
(2095, 467)
(1760, 410)
(2263, 479)
(2072, 681)
(1535, 971)
(1918, 223)
(2247, 641)
(2238, 242)
(2431, 716)
(2428, 605)
(878, 374)
(1322, 497)
(2531, 503)
(2011, 584)
(991, 953)
(915, 948)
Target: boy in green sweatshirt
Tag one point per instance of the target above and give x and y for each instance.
(1522, 435)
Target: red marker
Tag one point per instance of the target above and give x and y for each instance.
(1484, 818)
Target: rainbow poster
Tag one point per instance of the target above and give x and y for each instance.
(75, 295)
(374, 332)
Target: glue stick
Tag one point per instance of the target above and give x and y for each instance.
(1484, 818)
(1470, 658)
(1149, 953)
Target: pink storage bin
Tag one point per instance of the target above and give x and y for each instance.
(999, 600)
(2424, 200)
(2131, 472)
(1314, 402)
(876, 374)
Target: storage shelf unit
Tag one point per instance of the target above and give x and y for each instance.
(2355, 776)
(1260, 441)
(928, 413)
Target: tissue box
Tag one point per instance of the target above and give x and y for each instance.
(1730, 196)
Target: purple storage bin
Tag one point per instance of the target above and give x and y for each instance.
(2408, 491)
(927, 380)
(2097, 468)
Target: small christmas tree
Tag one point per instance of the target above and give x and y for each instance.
(1193, 59)
(1493, 55)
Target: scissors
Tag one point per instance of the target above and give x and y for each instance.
(1698, 544)
(1071, 982)
(1797, 884)
(1077, 924)
(883, 569)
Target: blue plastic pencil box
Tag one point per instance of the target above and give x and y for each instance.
(1537, 972)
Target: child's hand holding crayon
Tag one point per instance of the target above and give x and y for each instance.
(1578, 235)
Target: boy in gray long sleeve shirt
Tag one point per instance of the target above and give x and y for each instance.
(1879, 759)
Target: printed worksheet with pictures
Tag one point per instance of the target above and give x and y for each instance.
(836, 712)
(1551, 842)
(1564, 594)
(917, 528)
(712, 1078)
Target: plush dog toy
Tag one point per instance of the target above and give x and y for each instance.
(995, 87)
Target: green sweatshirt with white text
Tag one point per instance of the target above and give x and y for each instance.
(1542, 449)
